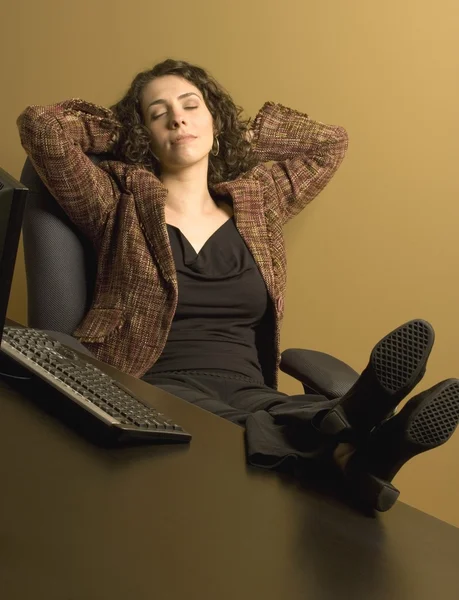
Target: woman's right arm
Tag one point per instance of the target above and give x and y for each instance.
(57, 139)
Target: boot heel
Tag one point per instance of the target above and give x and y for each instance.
(335, 423)
(374, 492)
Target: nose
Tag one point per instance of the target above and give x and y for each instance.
(177, 119)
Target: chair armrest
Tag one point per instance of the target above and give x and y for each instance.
(319, 373)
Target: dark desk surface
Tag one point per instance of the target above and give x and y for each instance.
(81, 522)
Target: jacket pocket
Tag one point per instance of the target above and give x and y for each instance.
(99, 323)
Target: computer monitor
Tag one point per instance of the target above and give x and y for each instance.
(13, 195)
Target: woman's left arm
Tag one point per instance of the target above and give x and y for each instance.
(306, 155)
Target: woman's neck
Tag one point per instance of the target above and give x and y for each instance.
(188, 193)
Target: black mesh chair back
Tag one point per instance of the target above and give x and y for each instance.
(60, 262)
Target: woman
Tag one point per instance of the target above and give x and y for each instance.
(187, 219)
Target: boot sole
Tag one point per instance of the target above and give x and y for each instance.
(436, 419)
(397, 364)
(399, 358)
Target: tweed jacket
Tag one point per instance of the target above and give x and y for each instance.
(120, 208)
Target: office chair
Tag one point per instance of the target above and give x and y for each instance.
(61, 268)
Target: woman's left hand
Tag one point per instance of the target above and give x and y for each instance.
(249, 135)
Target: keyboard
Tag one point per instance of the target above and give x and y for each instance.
(88, 387)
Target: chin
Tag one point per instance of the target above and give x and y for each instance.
(189, 161)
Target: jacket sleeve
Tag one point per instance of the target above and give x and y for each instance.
(57, 139)
(306, 155)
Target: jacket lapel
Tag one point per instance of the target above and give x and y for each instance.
(150, 197)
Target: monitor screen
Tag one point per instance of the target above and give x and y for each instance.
(12, 202)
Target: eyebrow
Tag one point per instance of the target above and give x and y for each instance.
(161, 101)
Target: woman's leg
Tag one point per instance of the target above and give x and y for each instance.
(249, 403)
(279, 427)
(202, 392)
(363, 416)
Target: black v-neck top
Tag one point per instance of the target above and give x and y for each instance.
(221, 299)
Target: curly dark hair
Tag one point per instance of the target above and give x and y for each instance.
(234, 157)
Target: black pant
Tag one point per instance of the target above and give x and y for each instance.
(279, 428)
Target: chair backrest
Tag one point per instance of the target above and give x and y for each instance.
(60, 262)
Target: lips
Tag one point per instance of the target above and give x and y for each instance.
(183, 138)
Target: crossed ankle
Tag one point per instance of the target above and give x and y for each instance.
(342, 454)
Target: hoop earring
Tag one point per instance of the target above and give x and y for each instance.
(218, 147)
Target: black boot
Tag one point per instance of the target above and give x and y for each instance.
(397, 363)
(426, 421)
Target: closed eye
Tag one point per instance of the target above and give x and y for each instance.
(154, 117)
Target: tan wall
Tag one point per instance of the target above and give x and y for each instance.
(380, 245)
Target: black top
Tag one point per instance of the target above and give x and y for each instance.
(221, 299)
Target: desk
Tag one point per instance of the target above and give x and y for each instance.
(81, 522)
